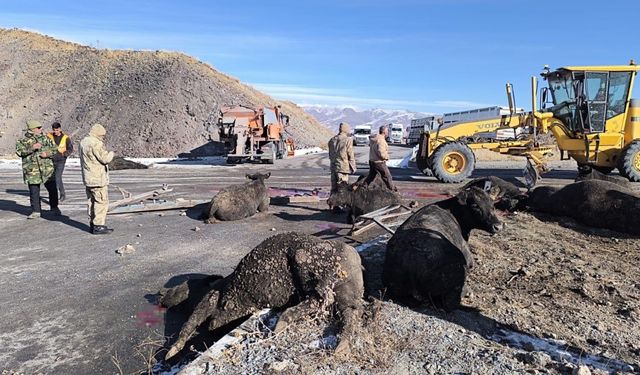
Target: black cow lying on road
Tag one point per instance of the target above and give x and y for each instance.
(596, 203)
(239, 201)
(506, 196)
(361, 199)
(587, 173)
(428, 257)
(280, 272)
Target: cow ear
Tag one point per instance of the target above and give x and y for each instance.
(462, 197)
(248, 176)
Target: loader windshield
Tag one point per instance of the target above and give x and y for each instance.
(561, 86)
(563, 97)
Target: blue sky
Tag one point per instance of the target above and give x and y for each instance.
(430, 55)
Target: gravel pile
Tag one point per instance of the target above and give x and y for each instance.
(153, 104)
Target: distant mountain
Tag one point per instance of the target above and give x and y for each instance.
(331, 117)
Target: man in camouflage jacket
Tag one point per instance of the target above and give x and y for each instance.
(36, 151)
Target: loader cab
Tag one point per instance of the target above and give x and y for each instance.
(585, 99)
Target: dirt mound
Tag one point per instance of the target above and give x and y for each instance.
(153, 104)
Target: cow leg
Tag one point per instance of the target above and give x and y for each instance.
(204, 309)
(264, 205)
(210, 212)
(293, 313)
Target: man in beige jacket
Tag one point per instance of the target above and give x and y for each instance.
(378, 156)
(341, 156)
(94, 160)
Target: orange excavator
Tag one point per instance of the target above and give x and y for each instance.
(256, 134)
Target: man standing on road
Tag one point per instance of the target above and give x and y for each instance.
(65, 148)
(341, 156)
(378, 156)
(94, 160)
(36, 151)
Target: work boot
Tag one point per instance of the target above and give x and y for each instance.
(56, 211)
(101, 229)
(34, 215)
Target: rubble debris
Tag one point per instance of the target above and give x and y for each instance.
(126, 249)
(120, 163)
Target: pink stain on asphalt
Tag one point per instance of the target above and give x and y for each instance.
(329, 227)
(152, 316)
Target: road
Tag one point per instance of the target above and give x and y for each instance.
(70, 304)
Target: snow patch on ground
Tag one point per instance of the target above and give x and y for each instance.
(558, 350)
(13, 164)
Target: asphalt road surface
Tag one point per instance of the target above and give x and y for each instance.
(70, 304)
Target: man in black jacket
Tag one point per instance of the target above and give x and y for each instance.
(65, 148)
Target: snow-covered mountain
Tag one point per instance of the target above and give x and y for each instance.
(331, 117)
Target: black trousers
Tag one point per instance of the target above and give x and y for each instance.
(382, 169)
(59, 168)
(34, 194)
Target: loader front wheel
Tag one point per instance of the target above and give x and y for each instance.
(453, 162)
(630, 161)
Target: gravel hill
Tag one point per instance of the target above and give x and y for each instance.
(153, 103)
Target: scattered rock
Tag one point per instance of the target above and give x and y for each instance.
(196, 229)
(581, 370)
(126, 249)
(534, 358)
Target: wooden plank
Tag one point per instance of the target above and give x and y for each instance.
(304, 199)
(384, 226)
(159, 206)
(139, 198)
(379, 212)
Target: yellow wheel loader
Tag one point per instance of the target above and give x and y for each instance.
(587, 109)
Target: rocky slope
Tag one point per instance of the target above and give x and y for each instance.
(153, 104)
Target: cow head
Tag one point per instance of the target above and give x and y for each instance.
(342, 196)
(477, 210)
(259, 176)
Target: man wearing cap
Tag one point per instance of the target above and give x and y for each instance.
(65, 148)
(37, 151)
(341, 157)
(94, 160)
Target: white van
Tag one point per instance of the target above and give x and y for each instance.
(361, 134)
(396, 133)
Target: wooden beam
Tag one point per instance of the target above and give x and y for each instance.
(139, 197)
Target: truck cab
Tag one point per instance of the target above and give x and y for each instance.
(396, 133)
(361, 134)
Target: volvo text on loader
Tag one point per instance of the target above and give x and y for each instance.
(587, 109)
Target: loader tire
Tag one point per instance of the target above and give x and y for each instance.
(453, 162)
(630, 161)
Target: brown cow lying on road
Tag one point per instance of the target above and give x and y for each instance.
(428, 257)
(239, 201)
(282, 271)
